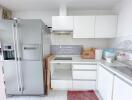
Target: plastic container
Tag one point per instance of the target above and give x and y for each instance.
(98, 54)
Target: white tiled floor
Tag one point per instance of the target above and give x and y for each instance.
(54, 95)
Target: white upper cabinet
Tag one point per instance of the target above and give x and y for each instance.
(122, 90)
(62, 23)
(84, 27)
(106, 26)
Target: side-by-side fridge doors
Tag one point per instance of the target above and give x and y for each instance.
(11, 69)
(31, 57)
(22, 48)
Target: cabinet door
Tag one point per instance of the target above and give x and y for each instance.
(105, 26)
(32, 72)
(84, 75)
(84, 27)
(2, 86)
(105, 83)
(61, 84)
(62, 23)
(84, 85)
(122, 90)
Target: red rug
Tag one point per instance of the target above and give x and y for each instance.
(82, 95)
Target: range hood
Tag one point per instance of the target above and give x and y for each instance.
(62, 24)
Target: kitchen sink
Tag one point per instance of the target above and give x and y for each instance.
(124, 69)
(63, 58)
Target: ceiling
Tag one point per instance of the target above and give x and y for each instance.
(26, 5)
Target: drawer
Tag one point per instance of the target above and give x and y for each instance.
(84, 67)
(61, 84)
(86, 75)
(84, 85)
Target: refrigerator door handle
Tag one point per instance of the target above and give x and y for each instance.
(23, 88)
(19, 58)
(17, 69)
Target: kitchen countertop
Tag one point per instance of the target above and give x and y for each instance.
(78, 60)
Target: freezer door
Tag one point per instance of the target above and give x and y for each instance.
(31, 52)
(11, 78)
(32, 72)
(11, 70)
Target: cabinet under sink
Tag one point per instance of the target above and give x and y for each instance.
(61, 76)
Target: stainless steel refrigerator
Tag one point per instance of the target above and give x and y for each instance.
(22, 50)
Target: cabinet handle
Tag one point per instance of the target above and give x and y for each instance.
(22, 88)
(19, 89)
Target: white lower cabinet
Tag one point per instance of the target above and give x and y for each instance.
(105, 83)
(83, 85)
(122, 90)
(84, 76)
(61, 84)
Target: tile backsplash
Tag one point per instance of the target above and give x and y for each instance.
(86, 42)
(65, 49)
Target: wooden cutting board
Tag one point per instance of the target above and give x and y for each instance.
(47, 71)
(88, 53)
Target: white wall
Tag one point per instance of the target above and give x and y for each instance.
(124, 24)
(125, 18)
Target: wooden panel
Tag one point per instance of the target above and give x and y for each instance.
(47, 73)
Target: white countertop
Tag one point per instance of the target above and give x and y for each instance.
(76, 59)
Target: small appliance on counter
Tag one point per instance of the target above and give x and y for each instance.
(88, 53)
(109, 54)
(98, 54)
